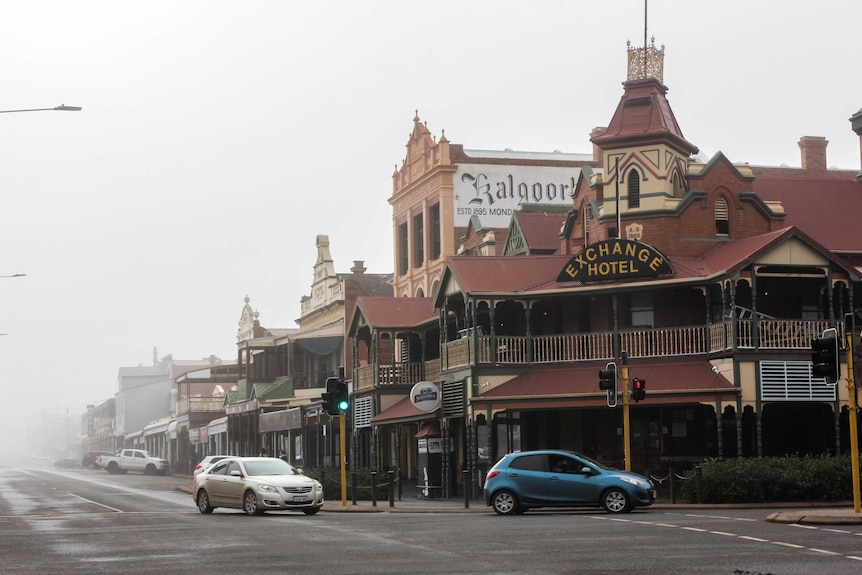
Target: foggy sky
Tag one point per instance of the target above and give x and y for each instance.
(217, 139)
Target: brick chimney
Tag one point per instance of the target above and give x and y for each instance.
(813, 153)
(358, 267)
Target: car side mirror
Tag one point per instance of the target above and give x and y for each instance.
(585, 470)
(236, 473)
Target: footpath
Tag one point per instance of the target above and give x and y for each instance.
(411, 501)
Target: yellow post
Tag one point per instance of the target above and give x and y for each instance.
(627, 430)
(854, 436)
(343, 466)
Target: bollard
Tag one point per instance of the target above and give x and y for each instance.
(698, 474)
(672, 486)
(467, 483)
(373, 488)
(391, 478)
(353, 485)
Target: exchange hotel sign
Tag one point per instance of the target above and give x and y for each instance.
(494, 192)
(615, 260)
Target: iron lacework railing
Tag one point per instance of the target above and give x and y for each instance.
(760, 334)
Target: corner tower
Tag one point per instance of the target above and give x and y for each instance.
(643, 151)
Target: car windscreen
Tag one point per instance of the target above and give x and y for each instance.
(270, 467)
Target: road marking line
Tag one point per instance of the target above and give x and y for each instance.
(854, 557)
(824, 551)
(794, 545)
(97, 503)
(750, 538)
(698, 529)
(723, 533)
(666, 525)
(836, 530)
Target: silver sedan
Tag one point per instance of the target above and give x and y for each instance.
(255, 485)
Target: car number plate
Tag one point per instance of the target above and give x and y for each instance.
(300, 498)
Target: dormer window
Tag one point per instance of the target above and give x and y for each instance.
(634, 190)
(722, 225)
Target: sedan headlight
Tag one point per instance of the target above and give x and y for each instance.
(318, 486)
(267, 488)
(636, 482)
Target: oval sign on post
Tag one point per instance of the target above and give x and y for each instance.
(425, 395)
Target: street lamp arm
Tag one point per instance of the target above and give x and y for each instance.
(14, 276)
(60, 108)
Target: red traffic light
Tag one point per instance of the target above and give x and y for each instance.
(824, 356)
(638, 389)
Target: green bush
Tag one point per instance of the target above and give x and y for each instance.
(771, 479)
(330, 477)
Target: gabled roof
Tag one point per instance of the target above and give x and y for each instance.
(540, 230)
(392, 312)
(515, 275)
(827, 209)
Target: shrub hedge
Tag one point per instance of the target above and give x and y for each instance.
(771, 479)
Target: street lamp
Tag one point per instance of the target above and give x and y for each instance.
(60, 108)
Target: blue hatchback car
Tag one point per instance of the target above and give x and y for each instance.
(556, 478)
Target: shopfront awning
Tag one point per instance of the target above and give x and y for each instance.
(677, 381)
(402, 412)
(431, 429)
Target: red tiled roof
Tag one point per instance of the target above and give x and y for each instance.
(827, 210)
(685, 380)
(404, 410)
(396, 311)
(524, 274)
(644, 115)
(541, 229)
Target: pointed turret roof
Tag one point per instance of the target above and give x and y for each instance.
(644, 115)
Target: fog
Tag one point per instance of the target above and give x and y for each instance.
(217, 139)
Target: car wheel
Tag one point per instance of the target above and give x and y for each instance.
(311, 511)
(615, 500)
(204, 502)
(113, 467)
(91, 466)
(505, 503)
(150, 469)
(249, 504)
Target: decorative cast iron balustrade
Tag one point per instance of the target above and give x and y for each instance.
(647, 342)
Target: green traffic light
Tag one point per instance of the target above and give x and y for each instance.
(343, 405)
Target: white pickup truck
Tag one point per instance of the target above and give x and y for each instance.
(133, 460)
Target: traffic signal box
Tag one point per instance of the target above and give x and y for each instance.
(638, 389)
(824, 356)
(336, 398)
(608, 382)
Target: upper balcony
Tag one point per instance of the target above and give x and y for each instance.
(711, 339)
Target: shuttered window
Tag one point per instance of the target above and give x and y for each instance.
(722, 225)
(792, 381)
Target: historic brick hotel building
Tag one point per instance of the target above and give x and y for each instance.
(519, 276)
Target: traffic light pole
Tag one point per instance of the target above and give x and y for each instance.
(854, 432)
(342, 456)
(627, 431)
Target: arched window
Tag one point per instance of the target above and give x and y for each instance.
(722, 225)
(634, 192)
